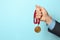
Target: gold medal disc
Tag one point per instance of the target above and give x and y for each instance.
(37, 29)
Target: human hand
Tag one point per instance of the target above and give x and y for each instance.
(42, 11)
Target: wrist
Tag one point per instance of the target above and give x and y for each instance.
(48, 20)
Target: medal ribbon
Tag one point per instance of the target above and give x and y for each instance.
(36, 20)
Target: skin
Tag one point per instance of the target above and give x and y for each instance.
(42, 11)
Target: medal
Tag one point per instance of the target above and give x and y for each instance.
(37, 29)
(37, 21)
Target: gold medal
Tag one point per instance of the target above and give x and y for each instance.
(37, 29)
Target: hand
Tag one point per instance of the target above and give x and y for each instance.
(45, 17)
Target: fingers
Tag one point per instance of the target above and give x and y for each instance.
(38, 8)
(38, 11)
(38, 14)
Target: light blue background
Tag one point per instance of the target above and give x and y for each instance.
(16, 19)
